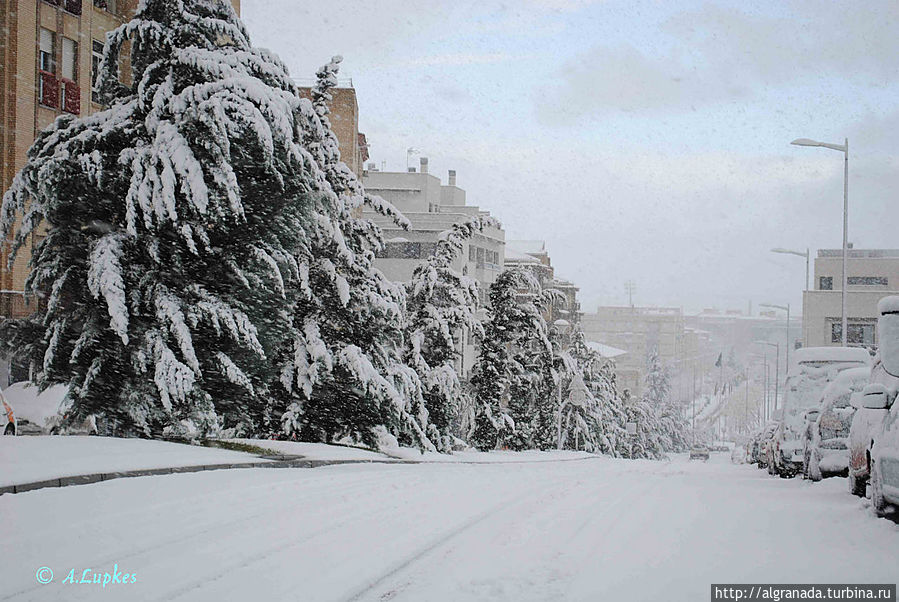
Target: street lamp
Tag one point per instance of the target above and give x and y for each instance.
(776, 369)
(806, 255)
(787, 309)
(800, 254)
(843, 148)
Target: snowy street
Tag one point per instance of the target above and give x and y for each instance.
(593, 529)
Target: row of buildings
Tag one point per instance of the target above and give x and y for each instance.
(51, 51)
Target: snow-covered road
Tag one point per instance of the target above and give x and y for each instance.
(595, 529)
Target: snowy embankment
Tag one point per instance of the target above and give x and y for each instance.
(595, 530)
(31, 459)
(321, 451)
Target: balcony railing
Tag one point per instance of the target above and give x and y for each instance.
(71, 96)
(48, 94)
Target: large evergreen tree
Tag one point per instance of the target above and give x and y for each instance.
(342, 371)
(172, 220)
(441, 307)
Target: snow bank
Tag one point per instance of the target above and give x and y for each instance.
(323, 451)
(315, 451)
(30, 459)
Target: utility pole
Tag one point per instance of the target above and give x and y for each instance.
(630, 286)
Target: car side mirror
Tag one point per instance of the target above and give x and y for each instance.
(875, 397)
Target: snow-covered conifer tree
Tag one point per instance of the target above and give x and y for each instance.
(342, 372)
(441, 305)
(171, 222)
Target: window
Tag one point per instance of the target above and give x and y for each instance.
(48, 86)
(860, 333)
(70, 93)
(96, 58)
(106, 5)
(69, 69)
(866, 280)
(472, 252)
(73, 6)
(825, 283)
(48, 51)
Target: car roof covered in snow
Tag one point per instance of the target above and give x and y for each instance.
(810, 355)
(888, 304)
(848, 381)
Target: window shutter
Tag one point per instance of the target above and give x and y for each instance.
(69, 59)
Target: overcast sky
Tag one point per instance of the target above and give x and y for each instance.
(644, 141)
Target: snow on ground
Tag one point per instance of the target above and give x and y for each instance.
(596, 529)
(30, 459)
(315, 451)
(322, 451)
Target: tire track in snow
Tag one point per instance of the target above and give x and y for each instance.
(425, 551)
(213, 528)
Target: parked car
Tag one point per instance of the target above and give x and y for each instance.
(752, 447)
(699, 452)
(765, 442)
(880, 396)
(811, 369)
(738, 455)
(827, 445)
(41, 413)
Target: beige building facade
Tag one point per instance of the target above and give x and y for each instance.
(433, 207)
(871, 274)
(50, 53)
(638, 330)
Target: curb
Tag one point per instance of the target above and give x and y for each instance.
(270, 462)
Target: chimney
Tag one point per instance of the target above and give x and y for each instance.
(424, 164)
(452, 177)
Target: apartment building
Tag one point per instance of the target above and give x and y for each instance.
(344, 118)
(637, 330)
(50, 50)
(871, 275)
(433, 207)
(532, 256)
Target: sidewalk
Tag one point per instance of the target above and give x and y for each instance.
(32, 463)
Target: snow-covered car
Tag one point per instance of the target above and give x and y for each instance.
(880, 396)
(765, 441)
(811, 369)
(827, 449)
(43, 413)
(699, 452)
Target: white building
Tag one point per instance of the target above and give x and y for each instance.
(433, 207)
(871, 275)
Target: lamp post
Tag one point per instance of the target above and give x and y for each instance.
(843, 148)
(787, 309)
(800, 254)
(806, 254)
(776, 369)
